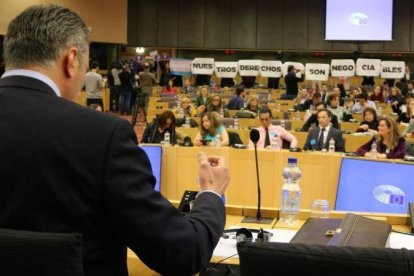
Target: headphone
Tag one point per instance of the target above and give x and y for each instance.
(244, 234)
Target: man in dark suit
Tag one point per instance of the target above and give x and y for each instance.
(319, 137)
(313, 119)
(291, 82)
(66, 168)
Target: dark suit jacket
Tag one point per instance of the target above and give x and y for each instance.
(65, 168)
(313, 119)
(313, 137)
(291, 82)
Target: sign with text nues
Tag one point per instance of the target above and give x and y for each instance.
(202, 66)
(342, 68)
(368, 67)
(226, 69)
(317, 71)
(271, 69)
(249, 67)
(392, 69)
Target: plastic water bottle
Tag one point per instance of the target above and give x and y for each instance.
(218, 141)
(167, 139)
(236, 123)
(379, 113)
(187, 121)
(282, 124)
(290, 201)
(331, 147)
(373, 152)
(274, 143)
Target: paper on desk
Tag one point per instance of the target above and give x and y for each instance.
(398, 240)
(227, 247)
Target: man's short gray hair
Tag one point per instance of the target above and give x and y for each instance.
(41, 33)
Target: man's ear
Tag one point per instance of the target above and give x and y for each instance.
(71, 62)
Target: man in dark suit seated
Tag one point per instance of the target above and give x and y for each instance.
(313, 119)
(319, 137)
(66, 168)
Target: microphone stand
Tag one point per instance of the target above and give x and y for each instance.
(258, 218)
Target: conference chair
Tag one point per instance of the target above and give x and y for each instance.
(40, 254)
(302, 259)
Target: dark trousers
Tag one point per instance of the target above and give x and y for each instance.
(115, 91)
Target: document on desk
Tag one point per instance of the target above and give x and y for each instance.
(227, 247)
(399, 240)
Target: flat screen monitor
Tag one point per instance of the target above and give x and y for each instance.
(367, 20)
(375, 186)
(154, 153)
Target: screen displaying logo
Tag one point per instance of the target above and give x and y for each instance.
(389, 194)
(358, 18)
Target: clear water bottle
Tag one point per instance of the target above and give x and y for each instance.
(218, 141)
(373, 154)
(187, 121)
(236, 123)
(274, 142)
(290, 201)
(331, 147)
(282, 124)
(167, 139)
(379, 113)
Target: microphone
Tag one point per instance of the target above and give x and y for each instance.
(254, 137)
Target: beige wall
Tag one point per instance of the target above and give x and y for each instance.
(108, 18)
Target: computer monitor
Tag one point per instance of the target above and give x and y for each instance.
(154, 153)
(375, 186)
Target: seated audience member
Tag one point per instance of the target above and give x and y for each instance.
(405, 117)
(389, 143)
(319, 137)
(324, 92)
(310, 105)
(237, 102)
(187, 108)
(410, 88)
(409, 133)
(314, 89)
(95, 106)
(187, 88)
(252, 106)
(313, 119)
(170, 88)
(395, 99)
(378, 95)
(336, 109)
(269, 131)
(210, 127)
(301, 100)
(362, 103)
(154, 133)
(370, 121)
(202, 101)
(348, 105)
(216, 105)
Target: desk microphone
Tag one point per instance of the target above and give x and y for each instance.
(254, 137)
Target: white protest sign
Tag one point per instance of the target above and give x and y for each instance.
(392, 69)
(249, 67)
(202, 66)
(297, 65)
(226, 69)
(368, 67)
(271, 68)
(317, 71)
(342, 68)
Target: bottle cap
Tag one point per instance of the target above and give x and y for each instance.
(292, 160)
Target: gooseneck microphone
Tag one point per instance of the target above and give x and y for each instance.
(254, 137)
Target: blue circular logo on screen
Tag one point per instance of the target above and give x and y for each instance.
(358, 18)
(388, 194)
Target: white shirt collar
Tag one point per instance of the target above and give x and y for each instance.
(35, 75)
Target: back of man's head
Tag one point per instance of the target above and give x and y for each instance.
(39, 35)
(94, 64)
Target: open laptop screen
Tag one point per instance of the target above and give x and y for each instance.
(375, 186)
(154, 153)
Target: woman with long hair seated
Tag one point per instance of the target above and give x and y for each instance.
(389, 143)
(252, 106)
(405, 117)
(216, 105)
(370, 121)
(155, 132)
(210, 128)
(170, 88)
(187, 108)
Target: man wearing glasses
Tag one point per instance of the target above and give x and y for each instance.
(268, 132)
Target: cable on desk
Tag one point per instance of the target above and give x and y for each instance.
(210, 267)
